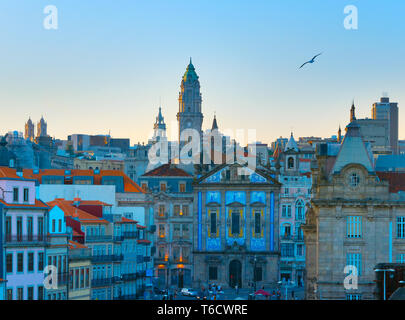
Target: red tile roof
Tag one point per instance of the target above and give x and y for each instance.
(6, 172)
(38, 204)
(126, 220)
(75, 212)
(138, 226)
(396, 180)
(129, 185)
(76, 245)
(167, 170)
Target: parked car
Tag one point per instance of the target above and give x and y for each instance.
(189, 292)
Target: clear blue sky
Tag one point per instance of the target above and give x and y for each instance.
(109, 63)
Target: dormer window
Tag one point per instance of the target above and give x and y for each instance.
(354, 180)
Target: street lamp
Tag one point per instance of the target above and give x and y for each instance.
(385, 271)
(286, 286)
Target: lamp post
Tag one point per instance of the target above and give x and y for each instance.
(384, 271)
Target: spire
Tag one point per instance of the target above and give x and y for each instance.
(352, 112)
(339, 139)
(214, 124)
(291, 144)
(190, 73)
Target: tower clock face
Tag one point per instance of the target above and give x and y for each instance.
(354, 178)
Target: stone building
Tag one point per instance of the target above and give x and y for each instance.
(354, 220)
(236, 227)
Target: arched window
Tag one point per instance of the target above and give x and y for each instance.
(290, 163)
(300, 210)
(286, 230)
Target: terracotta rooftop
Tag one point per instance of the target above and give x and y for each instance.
(126, 220)
(74, 212)
(38, 204)
(76, 245)
(129, 185)
(167, 170)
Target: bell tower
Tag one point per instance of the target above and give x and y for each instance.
(190, 115)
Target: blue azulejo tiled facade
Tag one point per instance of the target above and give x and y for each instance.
(236, 227)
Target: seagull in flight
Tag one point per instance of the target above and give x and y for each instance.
(311, 61)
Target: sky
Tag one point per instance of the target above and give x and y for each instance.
(110, 64)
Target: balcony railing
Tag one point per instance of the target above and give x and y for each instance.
(99, 238)
(161, 215)
(22, 240)
(107, 258)
(131, 234)
(287, 237)
(129, 276)
(103, 282)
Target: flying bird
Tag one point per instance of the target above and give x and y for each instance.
(311, 61)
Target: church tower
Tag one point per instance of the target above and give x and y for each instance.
(42, 128)
(29, 130)
(189, 115)
(159, 128)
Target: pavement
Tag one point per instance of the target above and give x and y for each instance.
(243, 294)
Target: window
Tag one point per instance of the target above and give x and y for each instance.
(185, 231)
(300, 210)
(258, 227)
(235, 222)
(41, 261)
(8, 228)
(87, 277)
(161, 211)
(30, 261)
(60, 225)
(286, 230)
(213, 273)
(287, 250)
(286, 191)
(161, 230)
(401, 227)
(176, 210)
(144, 186)
(9, 294)
(9, 263)
(182, 187)
(353, 226)
(19, 228)
(15, 194)
(300, 250)
(53, 225)
(354, 180)
(81, 278)
(30, 293)
(20, 295)
(30, 228)
(290, 163)
(213, 223)
(184, 210)
(20, 262)
(176, 230)
(163, 187)
(353, 296)
(40, 293)
(354, 259)
(26, 194)
(40, 227)
(286, 211)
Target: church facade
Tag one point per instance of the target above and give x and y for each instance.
(235, 234)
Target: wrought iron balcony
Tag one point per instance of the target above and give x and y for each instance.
(26, 240)
(107, 258)
(103, 282)
(129, 276)
(99, 238)
(131, 234)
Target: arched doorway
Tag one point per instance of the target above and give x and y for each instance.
(235, 273)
